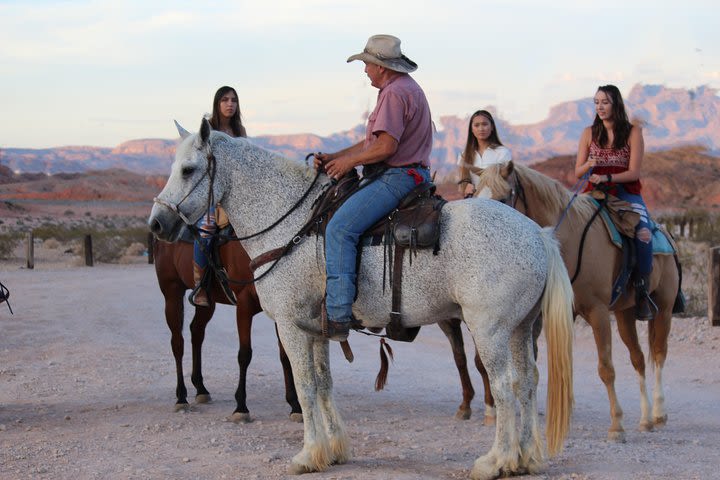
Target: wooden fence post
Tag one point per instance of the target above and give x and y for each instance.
(88, 251)
(150, 240)
(714, 286)
(30, 250)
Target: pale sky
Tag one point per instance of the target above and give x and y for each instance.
(101, 72)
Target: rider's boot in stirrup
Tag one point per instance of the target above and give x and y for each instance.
(645, 308)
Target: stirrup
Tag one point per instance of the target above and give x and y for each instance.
(222, 277)
(647, 311)
(194, 293)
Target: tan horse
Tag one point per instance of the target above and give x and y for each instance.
(544, 200)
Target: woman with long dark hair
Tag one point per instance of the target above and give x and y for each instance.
(483, 148)
(611, 150)
(225, 118)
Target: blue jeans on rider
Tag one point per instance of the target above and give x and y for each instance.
(643, 249)
(207, 227)
(342, 235)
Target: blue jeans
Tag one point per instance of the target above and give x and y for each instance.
(643, 249)
(203, 244)
(359, 212)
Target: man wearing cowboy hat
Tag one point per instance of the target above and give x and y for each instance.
(398, 141)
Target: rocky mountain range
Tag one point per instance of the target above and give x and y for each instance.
(671, 117)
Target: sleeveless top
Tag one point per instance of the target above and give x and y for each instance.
(612, 161)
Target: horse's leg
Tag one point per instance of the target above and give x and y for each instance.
(628, 333)
(658, 333)
(174, 316)
(490, 414)
(290, 393)
(315, 454)
(599, 320)
(451, 329)
(504, 456)
(523, 356)
(335, 428)
(244, 313)
(197, 337)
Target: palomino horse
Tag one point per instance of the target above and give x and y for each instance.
(173, 265)
(544, 200)
(515, 273)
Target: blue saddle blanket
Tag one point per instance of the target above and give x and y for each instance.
(661, 241)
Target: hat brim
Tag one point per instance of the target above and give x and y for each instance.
(402, 65)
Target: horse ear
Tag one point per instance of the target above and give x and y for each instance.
(507, 169)
(205, 130)
(183, 133)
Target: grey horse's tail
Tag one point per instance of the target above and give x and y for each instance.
(557, 312)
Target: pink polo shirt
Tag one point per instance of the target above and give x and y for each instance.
(402, 111)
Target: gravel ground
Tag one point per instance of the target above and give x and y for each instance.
(87, 385)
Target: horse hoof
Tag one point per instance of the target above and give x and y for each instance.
(203, 398)
(463, 414)
(182, 407)
(489, 421)
(485, 469)
(660, 420)
(296, 417)
(238, 417)
(646, 426)
(617, 437)
(297, 469)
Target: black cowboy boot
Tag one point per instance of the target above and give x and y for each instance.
(645, 308)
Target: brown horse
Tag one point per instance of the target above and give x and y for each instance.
(173, 265)
(544, 200)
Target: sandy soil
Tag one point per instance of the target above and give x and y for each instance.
(87, 386)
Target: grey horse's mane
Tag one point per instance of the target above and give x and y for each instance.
(226, 145)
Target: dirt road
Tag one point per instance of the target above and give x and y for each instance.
(87, 386)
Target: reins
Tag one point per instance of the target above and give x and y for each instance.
(5, 297)
(519, 192)
(579, 185)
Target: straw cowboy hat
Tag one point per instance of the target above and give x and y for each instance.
(384, 50)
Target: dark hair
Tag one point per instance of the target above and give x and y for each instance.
(236, 120)
(471, 146)
(621, 124)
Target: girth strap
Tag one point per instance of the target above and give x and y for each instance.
(394, 329)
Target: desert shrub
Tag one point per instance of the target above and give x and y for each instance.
(694, 259)
(51, 243)
(8, 242)
(135, 249)
(109, 244)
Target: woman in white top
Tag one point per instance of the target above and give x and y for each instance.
(483, 147)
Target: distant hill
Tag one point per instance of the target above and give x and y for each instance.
(681, 178)
(672, 117)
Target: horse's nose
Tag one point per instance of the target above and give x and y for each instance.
(155, 226)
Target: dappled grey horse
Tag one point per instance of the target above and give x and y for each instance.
(496, 269)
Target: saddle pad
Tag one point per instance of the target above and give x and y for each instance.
(662, 244)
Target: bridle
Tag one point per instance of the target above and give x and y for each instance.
(517, 192)
(210, 172)
(175, 207)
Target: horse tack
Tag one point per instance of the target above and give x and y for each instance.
(414, 224)
(514, 450)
